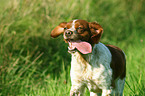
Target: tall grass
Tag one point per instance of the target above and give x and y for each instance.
(32, 63)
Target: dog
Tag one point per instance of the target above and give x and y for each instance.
(101, 68)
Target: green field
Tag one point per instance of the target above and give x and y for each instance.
(34, 64)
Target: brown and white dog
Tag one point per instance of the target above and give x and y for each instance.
(101, 68)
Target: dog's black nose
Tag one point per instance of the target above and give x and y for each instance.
(68, 33)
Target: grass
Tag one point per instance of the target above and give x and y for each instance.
(34, 64)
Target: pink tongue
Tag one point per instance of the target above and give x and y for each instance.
(83, 47)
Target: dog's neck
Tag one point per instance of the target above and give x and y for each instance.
(99, 52)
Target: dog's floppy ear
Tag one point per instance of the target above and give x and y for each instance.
(58, 30)
(96, 31)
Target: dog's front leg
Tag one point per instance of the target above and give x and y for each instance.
(107, 92)
(77, 90)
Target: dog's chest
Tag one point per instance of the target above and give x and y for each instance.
(92, 69)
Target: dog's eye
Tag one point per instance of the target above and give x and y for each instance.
(79, 28)
(65, 28)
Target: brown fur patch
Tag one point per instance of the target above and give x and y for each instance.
(118, 63)
(58, 30)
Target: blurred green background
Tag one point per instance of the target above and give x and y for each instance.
(34, 64)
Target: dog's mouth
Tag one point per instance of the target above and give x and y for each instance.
(82, 46)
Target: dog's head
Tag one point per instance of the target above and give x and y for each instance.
(80, 34)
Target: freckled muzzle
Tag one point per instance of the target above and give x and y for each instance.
(68, 33)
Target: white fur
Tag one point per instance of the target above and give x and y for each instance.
(93, 71)
(73, 25)
(118, 91)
